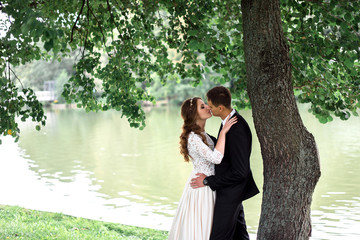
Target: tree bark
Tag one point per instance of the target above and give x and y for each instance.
(290, 156)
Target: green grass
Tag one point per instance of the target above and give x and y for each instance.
(20, 223)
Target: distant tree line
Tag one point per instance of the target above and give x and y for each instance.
(34, 74)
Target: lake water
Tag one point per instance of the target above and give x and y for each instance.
(95, 166)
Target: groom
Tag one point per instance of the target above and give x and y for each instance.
(233, 180)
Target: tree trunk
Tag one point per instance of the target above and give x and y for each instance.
(290, 156)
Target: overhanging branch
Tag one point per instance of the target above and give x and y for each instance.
(77, 19)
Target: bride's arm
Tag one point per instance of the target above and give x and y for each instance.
(197, 147)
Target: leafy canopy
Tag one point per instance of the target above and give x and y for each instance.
(121, 44)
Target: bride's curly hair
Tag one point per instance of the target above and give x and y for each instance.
(189, 114)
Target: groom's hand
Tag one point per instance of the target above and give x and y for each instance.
(198, 182)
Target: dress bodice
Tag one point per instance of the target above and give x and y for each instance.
(203, 157)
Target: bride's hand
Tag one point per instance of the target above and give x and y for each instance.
(228, 124)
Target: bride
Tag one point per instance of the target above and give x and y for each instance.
(193, 217)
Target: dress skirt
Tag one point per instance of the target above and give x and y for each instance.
(194, 215)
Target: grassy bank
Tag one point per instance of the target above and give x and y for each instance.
(20, 223)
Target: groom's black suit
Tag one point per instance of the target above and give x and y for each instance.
(233, 183)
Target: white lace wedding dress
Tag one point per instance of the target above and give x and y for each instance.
(193, 217)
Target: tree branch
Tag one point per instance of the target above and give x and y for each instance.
(10, 69)
(101, 30)
(112, 18)
(87, 33)
(77, 19)
(109, 9)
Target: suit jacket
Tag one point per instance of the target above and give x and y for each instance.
(233, 180)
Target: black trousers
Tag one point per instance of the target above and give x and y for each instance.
(229, 222)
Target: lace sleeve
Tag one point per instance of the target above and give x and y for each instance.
(197, 147)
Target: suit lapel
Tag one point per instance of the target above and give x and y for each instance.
(221, 126)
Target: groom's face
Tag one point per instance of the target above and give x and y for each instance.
(215, 110)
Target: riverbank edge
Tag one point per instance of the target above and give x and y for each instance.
(21, 223)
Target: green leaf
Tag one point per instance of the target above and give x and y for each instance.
(323, 120)
(344, 26)
(349, 63)
(219, 45)
(202, 46)
(192, 33)
(193, 45)
(227, 40)
(348, 17)
(3, 81)
(49, 45)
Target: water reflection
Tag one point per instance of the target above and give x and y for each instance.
(78, 192)
(95, 166)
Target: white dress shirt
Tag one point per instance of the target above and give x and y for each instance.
(228, 117)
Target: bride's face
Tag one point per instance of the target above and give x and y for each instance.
(203, 110)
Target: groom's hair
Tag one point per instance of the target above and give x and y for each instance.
(219, 96)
